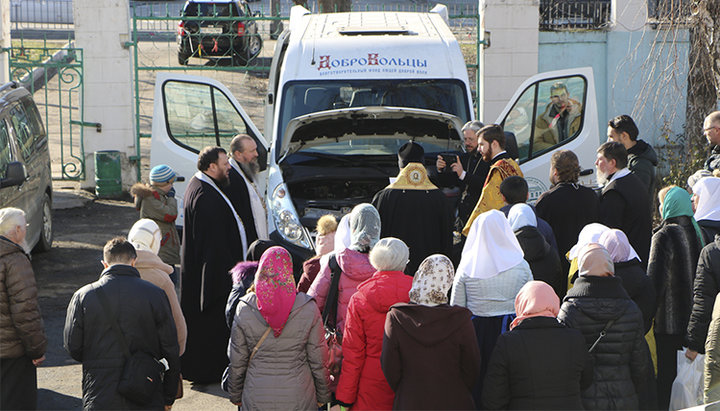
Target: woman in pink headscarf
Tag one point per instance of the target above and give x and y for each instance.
(277, 349)
(538, 364)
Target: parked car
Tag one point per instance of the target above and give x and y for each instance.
(25, 178)
(218, 29)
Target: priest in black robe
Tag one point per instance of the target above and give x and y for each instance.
(213, 242)
(243, 191)
(415, 210)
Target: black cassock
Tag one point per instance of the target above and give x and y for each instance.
(211, 246)
(421, 218)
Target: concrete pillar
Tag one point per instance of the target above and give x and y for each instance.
(513, 54)
(101, 30)
(628, 15)
(4, 41)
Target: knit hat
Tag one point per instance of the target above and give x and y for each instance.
(410, 152)
(145, 235)
(161, 174)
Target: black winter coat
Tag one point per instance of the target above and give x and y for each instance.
(543, 260)
(622, 366)
(639, 287)
(625, 205)
(524, 358)
(710, 229)
(705, 290)
(567, 207)
(671, 268)
(143, 313)
(476, 171)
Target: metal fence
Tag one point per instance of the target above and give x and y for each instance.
(572, 14)
(41, 14)
(669, 10)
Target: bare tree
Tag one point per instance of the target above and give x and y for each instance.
(704, 74)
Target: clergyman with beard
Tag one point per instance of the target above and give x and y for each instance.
(243, 193)
(624, 201)
(214, 240)
(491, 143)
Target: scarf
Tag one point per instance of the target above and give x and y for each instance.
(432, 281)
(241, 228)
(589, 234)
(412, 177)
(491, 247)
(342, 235)
(618, 246)
(257, 205)
(595, 261)
(275, 288)
(364, 227)
(535, 299)
(707, 203)
(677, 203)
(521, 215)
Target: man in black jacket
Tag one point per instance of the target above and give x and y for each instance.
(143, 314)
(468, 172)
(624, 201)
(642, 159)
(711, 129)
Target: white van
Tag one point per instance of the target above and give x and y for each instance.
(345, 91)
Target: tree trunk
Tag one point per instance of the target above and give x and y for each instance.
(335, 6)
(704, 72)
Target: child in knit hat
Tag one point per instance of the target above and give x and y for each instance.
(157, 202)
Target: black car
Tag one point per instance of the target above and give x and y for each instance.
(218, 29)
(25, 178)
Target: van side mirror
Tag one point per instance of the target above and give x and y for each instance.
(15, 175)
(586, 172)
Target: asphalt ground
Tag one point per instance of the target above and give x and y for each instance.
(82, 225)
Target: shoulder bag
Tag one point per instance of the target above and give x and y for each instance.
(333, 337)
(604, 331)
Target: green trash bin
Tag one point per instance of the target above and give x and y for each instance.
(108, 174)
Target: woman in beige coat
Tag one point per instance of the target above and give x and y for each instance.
(145, 235)
(277, 349)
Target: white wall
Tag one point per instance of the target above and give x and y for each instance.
(101, 28)
(513, 53)
(4, 41)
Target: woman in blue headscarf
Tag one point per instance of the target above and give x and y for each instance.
(674, 253)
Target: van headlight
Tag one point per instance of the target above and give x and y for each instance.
(286, 219)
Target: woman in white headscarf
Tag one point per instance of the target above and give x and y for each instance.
(145, 236)
(706, 198)
(353, 262)
(589, 234)
(543, 259)
(428, 335)
(491, 272)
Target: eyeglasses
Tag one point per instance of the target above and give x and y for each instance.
(711, 128)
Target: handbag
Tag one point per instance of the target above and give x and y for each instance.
(333, 337)
(142, 374)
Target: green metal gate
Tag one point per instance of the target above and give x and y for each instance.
(53, 73)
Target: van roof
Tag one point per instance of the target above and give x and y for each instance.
(372, 23)
(371, 44)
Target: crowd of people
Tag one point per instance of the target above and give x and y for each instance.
(411, 302)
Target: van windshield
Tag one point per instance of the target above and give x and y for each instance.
(304, 97)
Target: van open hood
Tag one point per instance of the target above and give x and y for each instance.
(370, 122)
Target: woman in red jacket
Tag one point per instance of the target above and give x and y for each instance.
(362, 385)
